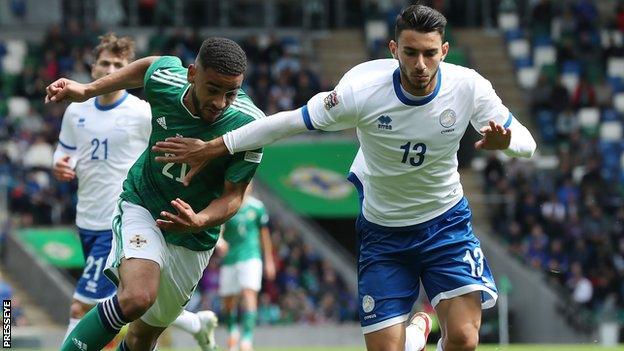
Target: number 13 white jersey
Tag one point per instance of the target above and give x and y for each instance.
(103, 142)
(407, 161)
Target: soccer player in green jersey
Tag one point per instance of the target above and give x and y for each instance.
(247, 239)
(164, 231)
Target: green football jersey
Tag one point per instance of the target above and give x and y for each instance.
(242, 232)
(153, 185)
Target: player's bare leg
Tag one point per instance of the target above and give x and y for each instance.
(460, 320)
(391, 338)
(249, 317)
(137, 291)
(141, 336)
(230, 304)
(139, 286)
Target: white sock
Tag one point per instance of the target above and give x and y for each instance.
(188, 321)
(414, 339)
(439, 347)
(73, 322)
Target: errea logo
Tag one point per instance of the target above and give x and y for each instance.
(384, 122)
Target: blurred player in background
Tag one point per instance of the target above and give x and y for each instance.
(410, 113)
(99, 141)
(162, 243)
(247, 241)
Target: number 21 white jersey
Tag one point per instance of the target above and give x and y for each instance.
(407, 161)
(103, 142)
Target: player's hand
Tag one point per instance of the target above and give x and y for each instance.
(194, 152)
(62, 170)
(66, 89)
(495, 137)
(186, 221)
(269, 270)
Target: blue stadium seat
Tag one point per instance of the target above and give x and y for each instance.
(616, 84)
(572, 66)
(546, 125)
(610, 114)
(514, 34)
(523, 62)
(542, 40)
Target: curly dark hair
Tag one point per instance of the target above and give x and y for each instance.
(420, 18)
(223, 55)
(122, 47)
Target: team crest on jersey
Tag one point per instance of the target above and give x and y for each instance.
(138, 241)
(448, 118)
(331, 100)
(384, 122)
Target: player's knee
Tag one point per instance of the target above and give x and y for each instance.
(78, 309)
(465, 338)
(135, 302)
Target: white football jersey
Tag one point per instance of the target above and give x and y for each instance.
(103, 142)
(407, 161)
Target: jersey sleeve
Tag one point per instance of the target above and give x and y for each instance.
(263, 216)
(166, 74)
(331, 111)
(243, 165)
(488, 106)
(67, 136)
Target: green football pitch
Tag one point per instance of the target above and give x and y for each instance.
(481, 348)
(527, 347)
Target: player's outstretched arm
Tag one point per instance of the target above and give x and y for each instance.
(254, 135)
(217, 213)
(131, 76)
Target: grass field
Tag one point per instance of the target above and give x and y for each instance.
(481, 348)
(531, 347)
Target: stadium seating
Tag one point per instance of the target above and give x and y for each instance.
(588, 61)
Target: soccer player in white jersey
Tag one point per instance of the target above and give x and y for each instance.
(100, 139)
(410, 113)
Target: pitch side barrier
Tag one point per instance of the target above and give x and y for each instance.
(43, 282)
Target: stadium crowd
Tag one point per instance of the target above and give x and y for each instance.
(278, 78)
(569, 221)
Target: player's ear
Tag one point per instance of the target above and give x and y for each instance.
(393, 46)
(190, 75)
(445, 50)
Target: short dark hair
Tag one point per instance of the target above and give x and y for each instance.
(223, 55)
(420, 18)
(122, 47)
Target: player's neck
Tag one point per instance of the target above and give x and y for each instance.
(110, 98)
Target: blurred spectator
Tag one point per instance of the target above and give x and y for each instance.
(581, 287)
